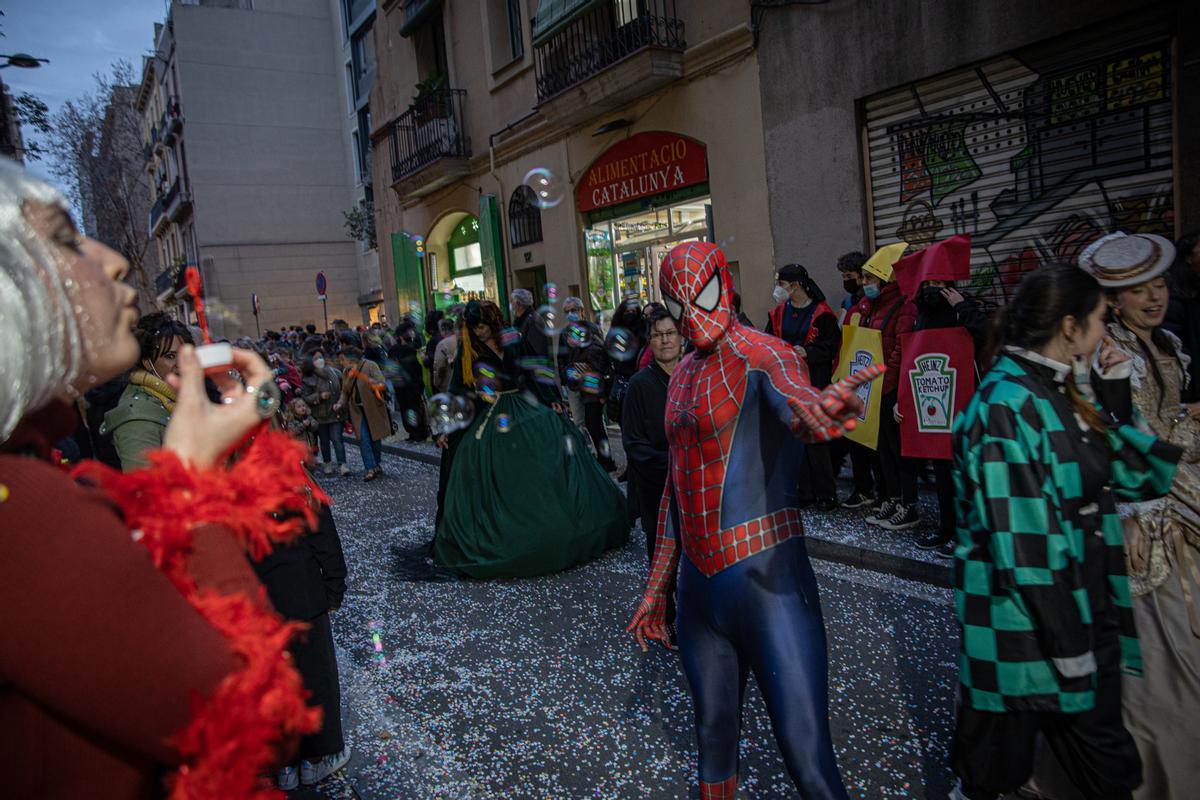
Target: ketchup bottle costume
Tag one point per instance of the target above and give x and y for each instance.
(747, 597)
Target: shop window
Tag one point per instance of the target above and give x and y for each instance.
(524, 217)
(601, 284)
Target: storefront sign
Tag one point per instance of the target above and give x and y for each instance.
(643, 165)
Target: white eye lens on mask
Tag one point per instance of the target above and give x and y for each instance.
(673, 308)
(710, 294)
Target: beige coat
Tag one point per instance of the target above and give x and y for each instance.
(368, 379)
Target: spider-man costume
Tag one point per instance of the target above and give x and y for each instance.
(747, 598)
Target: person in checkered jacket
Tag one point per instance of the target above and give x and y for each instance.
(1041, 454)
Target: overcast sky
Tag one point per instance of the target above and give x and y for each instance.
(80, 37)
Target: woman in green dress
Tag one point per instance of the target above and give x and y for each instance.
(521, 493)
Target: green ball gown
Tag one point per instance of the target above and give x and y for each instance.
(521, 493)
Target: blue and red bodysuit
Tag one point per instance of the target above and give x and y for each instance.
(747, 597)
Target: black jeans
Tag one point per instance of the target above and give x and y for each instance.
(898, 483)
(816, 474)
(593, 421)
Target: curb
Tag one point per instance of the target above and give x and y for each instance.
(910, 569)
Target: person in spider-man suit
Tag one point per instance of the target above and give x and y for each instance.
(739, 408)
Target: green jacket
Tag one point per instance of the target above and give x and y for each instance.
(1020, 592)
(137, 425)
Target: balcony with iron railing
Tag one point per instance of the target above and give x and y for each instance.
(163, 201)
(600, 59)
(427, 144)
(151, 143)
(172, 121)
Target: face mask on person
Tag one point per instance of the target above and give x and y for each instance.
(850, 285)
(573, 316)
(930, 297)
(319, 363)
(780, 294)
(871, 290)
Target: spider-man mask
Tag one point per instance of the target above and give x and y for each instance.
(698, 292)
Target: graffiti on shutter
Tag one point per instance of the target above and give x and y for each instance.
(1035, 153)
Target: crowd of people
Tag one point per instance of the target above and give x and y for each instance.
(1068, 494)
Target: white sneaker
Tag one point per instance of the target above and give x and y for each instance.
(327, 469)
(287, 779)
(315, 772)
(343, 470)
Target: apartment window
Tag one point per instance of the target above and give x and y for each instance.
(362, 53)
(362, 140)
(524, 217)
(504, 28)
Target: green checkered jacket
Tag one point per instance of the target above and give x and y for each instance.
(1019, 591)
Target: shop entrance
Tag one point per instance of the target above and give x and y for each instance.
(624, 253)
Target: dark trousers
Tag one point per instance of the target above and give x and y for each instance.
(331, 433)
(994, 753)
(410, 405)
(864, 465)
(898, 482)
(816, 474)
(315, 660)
(648, 490)
(593, 422)
(943, 481)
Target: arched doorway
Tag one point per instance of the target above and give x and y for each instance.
(454, 260)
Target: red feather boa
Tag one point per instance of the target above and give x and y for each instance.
(263, 498)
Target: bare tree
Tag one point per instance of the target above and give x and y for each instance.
(96, 151)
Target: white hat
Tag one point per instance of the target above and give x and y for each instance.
(1119, 259)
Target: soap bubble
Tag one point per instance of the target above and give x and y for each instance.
(509, 336)
(486, 382)
(573, 376)
(462, 411)
(410, 416)
(591, 383)
(440, 415)
(551, 292)
(547, 187)
(503, 423)
(553, 320)
(620, 345)
(577, 335)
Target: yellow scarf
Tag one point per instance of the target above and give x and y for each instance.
(468, 357)
(155, 387)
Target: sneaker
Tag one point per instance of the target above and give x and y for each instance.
(882, 512)
(327, 469)
(827, 504)
(343, 470)
(856, 500)
(903, 517)
(316, 771)
(946, 550)
(287, 779)
(931, 541)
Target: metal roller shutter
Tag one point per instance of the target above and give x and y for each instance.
(1035, 153)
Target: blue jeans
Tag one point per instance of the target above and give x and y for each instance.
(331, 433)
(371, 449)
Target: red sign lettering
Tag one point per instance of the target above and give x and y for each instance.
(645, 164)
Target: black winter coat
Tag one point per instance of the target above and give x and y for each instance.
(306, 578)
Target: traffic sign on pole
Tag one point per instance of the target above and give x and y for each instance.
(322, 284)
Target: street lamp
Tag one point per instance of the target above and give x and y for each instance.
(23, 60)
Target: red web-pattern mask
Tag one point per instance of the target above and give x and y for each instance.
(698, 292)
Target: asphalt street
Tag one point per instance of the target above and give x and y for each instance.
(456, 688)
